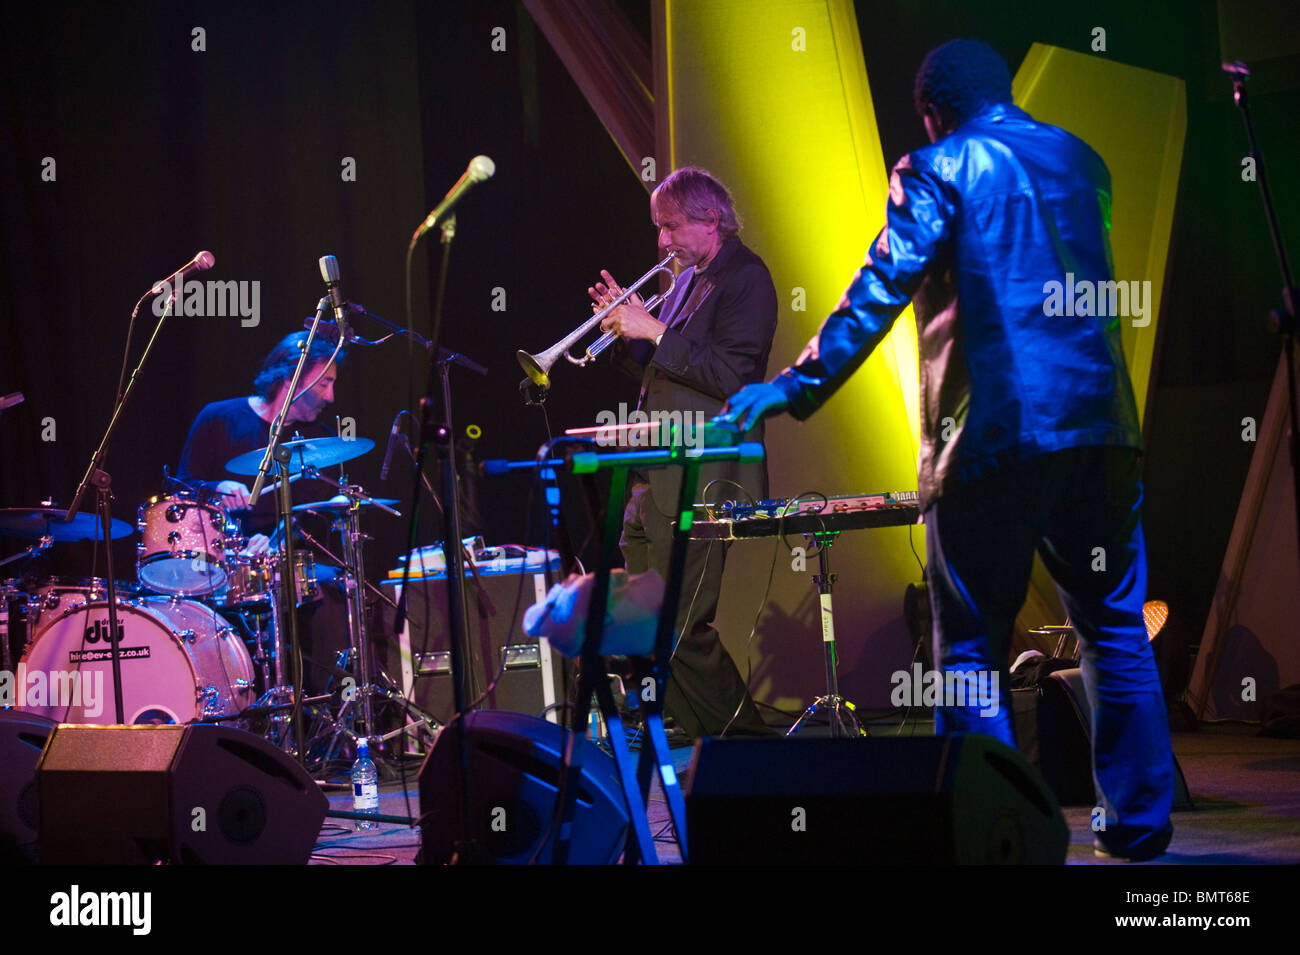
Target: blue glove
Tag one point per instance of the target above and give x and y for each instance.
(751, 404)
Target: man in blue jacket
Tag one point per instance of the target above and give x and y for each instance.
(1030, 437)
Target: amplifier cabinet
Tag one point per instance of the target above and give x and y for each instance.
(418, 657)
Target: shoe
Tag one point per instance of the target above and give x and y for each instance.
(1152, 850)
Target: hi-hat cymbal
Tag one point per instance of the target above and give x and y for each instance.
(306, 452)
(33, 523)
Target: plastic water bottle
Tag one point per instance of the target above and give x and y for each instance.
(365, 786)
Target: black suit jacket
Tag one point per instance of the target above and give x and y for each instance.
(721, 324)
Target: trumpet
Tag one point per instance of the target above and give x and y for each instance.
(538, 367)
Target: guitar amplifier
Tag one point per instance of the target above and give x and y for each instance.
(534, 678)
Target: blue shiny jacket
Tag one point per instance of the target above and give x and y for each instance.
(977, 226)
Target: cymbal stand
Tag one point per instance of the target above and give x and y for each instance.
(279, 695)
(368, 682)
(839, 711)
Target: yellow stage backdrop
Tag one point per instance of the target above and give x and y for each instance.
(774, 98)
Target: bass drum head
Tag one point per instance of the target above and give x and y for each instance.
(179, 660)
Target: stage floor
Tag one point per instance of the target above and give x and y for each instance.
(1245, 789)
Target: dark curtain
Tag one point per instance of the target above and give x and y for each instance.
(161, 150)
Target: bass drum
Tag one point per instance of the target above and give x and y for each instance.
(57, 594)
(180, 662)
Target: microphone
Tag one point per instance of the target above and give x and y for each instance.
(392, 443)
(329, 271)
(200, 263)
(480, 168)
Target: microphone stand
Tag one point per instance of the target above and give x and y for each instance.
(103, 482)
(277, 452)
(1282, 320)
(442, 434)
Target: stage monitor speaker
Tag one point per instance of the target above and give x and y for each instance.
(196, 795)
(22, 737)
(514, 772)
(919, 800)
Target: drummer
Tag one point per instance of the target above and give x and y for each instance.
(226, 429)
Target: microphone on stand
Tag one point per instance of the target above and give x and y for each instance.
(392, 443)
(329, 271)
(200, 263)
(481, 168)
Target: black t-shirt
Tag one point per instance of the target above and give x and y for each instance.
(227, 429)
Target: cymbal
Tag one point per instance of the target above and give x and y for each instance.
(305, 452)
(33, 523)
(340, 503)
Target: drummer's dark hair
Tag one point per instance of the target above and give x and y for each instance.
(280, 362)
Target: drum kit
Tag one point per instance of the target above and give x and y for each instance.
(185, 659)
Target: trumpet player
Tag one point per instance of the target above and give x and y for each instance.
(712, 337)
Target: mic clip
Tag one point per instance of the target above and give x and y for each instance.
(534, 394)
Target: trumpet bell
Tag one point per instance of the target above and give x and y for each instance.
(539, 375)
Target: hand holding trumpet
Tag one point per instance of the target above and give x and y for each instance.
(631, 319)
(634, 323)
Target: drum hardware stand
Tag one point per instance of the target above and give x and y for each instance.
(7, 594)
(265, 656)
(839, 711)
(44, 543)
(339, 561)
(275, 732)
(104, 489)
(7, 662)
(357, 662)
(354, 575)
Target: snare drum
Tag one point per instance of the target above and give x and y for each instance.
(183, 545)
(180, 662)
